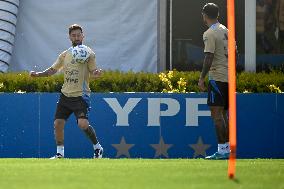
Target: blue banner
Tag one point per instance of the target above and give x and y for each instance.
(141, 125)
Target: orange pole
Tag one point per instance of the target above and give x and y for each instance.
(232, 87)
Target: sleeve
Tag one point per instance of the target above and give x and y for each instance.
(92, 62)
(209, 42)
(58, 64)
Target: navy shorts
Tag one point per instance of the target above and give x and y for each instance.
(80, 106)
(218, 94)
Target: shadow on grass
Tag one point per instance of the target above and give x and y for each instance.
(235, 180)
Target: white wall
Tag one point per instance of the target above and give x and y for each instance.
(123, 33)
(250, 35)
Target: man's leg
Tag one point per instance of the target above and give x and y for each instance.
(226, 121)
(83, 123)
(219, 122)
(61, 115)
(59, 136)
(221, 128)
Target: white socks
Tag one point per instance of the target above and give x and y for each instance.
(228, 147)
(224, 148)
(97, 146)
(60, 149)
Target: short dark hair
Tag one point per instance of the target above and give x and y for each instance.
(211, 10)
(75, 27)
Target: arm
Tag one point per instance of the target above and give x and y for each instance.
(58, 64)
(205, 69)
(94, 71)
(209, 49)
(48, 72)
(206, 64)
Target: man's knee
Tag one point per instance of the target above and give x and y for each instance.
(217, 115)
(83, 123)
(59, 123)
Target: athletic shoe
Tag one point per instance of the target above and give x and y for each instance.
(98, 153)
(57, 156)
(217, 156)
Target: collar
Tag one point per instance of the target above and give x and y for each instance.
(213, 26)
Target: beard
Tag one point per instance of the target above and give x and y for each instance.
(75, 43)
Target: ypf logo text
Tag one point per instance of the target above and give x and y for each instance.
(155, 114)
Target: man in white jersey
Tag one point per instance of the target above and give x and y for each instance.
(216, 64)
(78, 64)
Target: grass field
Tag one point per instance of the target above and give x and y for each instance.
(139, 173)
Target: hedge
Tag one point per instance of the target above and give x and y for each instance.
(116, 81)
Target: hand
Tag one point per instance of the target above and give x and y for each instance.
(97, 72)
(33, 74)
(201, 84)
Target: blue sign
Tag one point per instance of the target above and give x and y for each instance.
(141, 125)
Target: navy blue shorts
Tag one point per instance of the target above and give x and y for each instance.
(218, 94)
(80, 106)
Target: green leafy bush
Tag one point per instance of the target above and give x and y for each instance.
(259, 82)
(116, 81)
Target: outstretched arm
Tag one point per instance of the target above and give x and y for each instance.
(205, 69)
(48, 72)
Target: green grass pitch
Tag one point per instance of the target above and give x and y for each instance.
(139, 173)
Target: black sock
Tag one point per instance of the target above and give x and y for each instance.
(91, 134)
